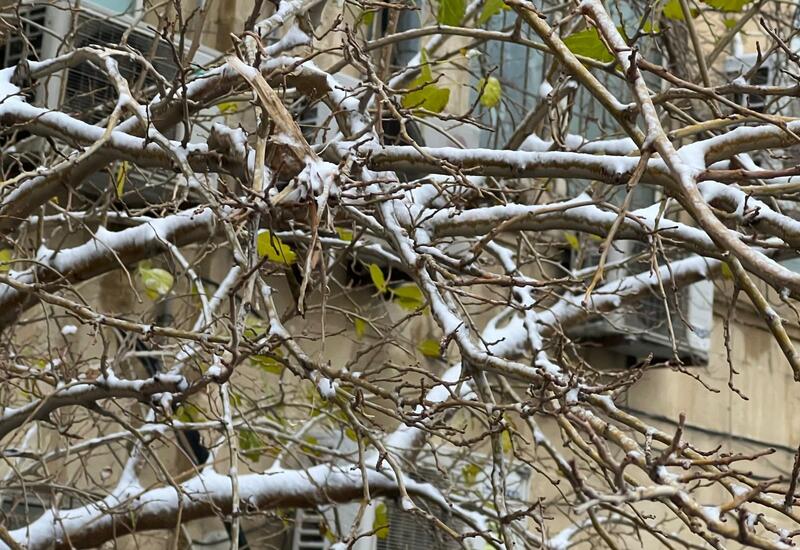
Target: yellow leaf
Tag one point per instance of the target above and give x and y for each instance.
(491, 92)
(408, 296)
(572, 240)
(430, 348)
(726, 271)
(377, 277)
(505, 439)
(470, 473)
(729, 22)
(228, 107)
(367, 18)
(274, 249)
(310, 440)
(6, 255)
(122, 176)
(381, 522)
(157, 282)
(350, 434)
(267, 363)
(728, 5)
(344, 234)
(361, 326)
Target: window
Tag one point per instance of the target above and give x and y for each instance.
(16, 511)
(741, 66)
(404, 51)
(32, 24)
(117, 7)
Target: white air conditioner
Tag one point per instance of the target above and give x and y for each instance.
(641, 328)
(86, 90)
(406, 530)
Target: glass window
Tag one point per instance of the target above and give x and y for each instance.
(114, 6)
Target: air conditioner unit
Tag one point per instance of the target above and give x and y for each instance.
(84, 91)
(405, 531)
(87, 93)
(643, 327)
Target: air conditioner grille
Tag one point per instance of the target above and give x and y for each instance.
(89, 93)
(307, 532)
(409, 532)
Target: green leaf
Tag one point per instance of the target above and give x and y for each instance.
(122, 176)
(490, 9)
(408, 296)
(381, 522)
(429, 97)
(491, 92)
(350, 434)
(672, 10)
(367, 18)
(572, 240)
(505, 439)
(730, 22)
(267, 363)
(361, 326)
(470, 473)
(377, 277)
(648, 27)
(430, 348)
(157, 282)
(310, 440)
(250, 444)
(6, 256)
(425, 94)
(188, 413)
(451, 12)
(425, 71)
(254, 326)
(588, 44)
(274, 249)
(729, 6)
(344, 234)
